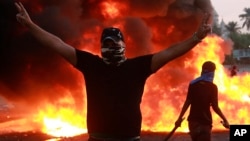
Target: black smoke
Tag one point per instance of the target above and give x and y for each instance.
(30, 72)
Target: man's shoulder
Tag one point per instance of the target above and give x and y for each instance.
(206, 83)
(84, 52)
(86, 59)
(141, 57)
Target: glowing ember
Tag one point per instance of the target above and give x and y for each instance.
(59, 128)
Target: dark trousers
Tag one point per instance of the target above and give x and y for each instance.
(199, 132)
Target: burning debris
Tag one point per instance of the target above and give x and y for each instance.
(50, 92)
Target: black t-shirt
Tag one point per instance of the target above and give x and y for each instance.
(201, 95)
(114, 93)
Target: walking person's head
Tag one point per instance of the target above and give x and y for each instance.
(207, 67)
(207, 72)
(112, 46)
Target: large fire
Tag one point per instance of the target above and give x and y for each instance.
(164, 93)
(234, 99)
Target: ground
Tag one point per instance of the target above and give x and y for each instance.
(146, 136)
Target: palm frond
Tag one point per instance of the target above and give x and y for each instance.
(246, 18)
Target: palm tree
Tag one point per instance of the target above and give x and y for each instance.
(233, 27)
(246, 18)
(234, 33)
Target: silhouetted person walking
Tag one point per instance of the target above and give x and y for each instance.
(202, 93)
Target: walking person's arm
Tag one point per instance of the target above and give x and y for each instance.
(218, 111)
(183, 111)
(47, 39)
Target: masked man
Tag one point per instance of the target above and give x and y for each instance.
(114, 83)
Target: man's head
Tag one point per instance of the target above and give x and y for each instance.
(112, 33)
(208, 66)
(113, 46)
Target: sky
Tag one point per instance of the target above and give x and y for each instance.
(229, 10)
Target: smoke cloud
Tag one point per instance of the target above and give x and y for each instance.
(32, 74)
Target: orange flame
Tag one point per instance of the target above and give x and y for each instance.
(162, 101)
(61, 120)
(234, 95)
(234, 98)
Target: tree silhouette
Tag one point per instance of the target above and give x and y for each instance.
(246, 18)
(233, 27)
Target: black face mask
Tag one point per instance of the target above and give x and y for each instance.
(115, 54)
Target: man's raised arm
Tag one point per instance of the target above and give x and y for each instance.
(161, 58)
(47, 39)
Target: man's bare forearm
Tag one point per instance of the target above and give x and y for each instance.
(47, 39)
(52, 42)
(172, 52)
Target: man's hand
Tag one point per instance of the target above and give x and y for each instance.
(204, 28)
(178, 122)
(22, 15)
